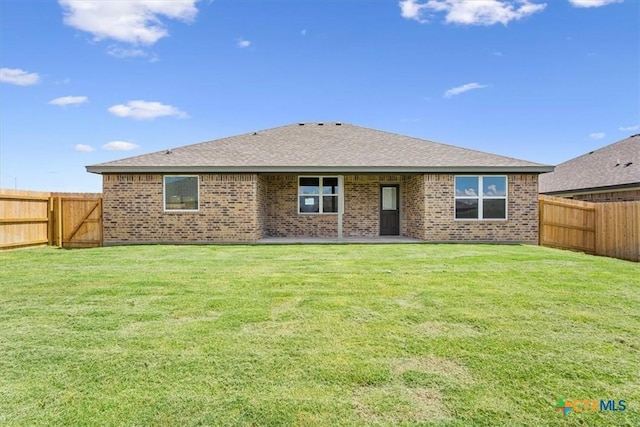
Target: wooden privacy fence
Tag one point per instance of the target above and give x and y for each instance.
(69, 220)
(609, 229)
(618, 230)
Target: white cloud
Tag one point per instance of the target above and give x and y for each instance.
(130, 21)
(19, 77)
(120, 146)
(492, 190)
(466, 12)
(120, 52)
(411, 9)
(461, 89)
(145, 110)
(597, 135)
(466, 192)
(243, 43)
(627, 128)
(69, 100)
(593, 3)
(84, 148)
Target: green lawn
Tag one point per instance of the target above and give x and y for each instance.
(352, 335)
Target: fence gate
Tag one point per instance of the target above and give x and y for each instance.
(77, 222)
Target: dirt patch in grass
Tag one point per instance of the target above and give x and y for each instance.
(169, 324)
(453, 330)
(411, 300)
(398, 404)
(362, 314)
(446, 368)
(284, 307)
(271, 328)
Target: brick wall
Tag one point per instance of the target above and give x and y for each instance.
(413, 207)
(614, 196)
(361, 205)
(261, 204)
(134, 212)
(521, 225)
(282, 217)
(245, 207)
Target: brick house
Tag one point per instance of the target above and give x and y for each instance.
(330, 180)
(608, 174)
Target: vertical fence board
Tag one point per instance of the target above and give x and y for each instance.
(60, 221)
(23, 218)
(50, 217)
(619, 223)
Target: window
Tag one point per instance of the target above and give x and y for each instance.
(318, 194)
(181, 193)
(481, 197)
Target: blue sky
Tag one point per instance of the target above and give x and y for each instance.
(84, 81)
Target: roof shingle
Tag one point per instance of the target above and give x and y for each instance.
(316, 146)
(615, 165)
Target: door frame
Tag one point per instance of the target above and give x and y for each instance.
(398, 204)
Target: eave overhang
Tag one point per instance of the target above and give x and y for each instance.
(594, 190)
(319, 169)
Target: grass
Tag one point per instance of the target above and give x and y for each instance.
(354, 335)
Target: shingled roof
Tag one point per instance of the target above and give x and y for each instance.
(318, 147)
(615, 166)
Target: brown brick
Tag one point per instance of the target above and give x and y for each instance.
(134, 211)
(245, 207)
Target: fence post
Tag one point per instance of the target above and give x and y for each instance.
(50, 222)
(59, 221)
(101, 224)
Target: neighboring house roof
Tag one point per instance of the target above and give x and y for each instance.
(615, 166)
(319, 147)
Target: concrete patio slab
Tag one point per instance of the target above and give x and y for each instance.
(335, 240)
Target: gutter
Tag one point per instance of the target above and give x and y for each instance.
(319, 169)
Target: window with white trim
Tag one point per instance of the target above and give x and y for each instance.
(481, 197)
(318, 194)
(181, 193)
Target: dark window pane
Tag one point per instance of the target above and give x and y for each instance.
(309, 186)
(466, 208)
(494, 186)
(494, 209)
(330, 186)
(329, 204)
(309, 204)
(181, 192)
(309, 181)
(466, 186)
